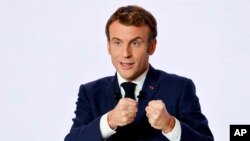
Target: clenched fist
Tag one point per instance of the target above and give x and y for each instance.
(158, 116)
(123, 114)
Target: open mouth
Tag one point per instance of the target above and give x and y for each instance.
(126, 65)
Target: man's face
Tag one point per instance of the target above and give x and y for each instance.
(129, 49)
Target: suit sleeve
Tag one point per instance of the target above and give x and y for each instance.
(85, 126)
(194, 124)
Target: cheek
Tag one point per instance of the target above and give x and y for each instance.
(114, 51)
(142, 60)
(115, 58)
(143, 56)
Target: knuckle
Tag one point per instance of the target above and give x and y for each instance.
(124, 120)
(123, 114)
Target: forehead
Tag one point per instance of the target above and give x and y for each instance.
(125, 32)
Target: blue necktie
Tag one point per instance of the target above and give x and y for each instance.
(129, 89)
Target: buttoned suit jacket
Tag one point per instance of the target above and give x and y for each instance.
(178, 94)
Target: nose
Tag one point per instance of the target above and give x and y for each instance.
(126, 52)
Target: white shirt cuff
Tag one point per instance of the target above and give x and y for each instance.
(175, 134)
(106, 131)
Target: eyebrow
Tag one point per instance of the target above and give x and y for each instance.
(115, 38)
(136, 38)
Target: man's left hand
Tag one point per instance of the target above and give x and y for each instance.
(158, 116)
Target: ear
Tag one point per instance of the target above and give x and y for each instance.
(152, 47)
(108, 48)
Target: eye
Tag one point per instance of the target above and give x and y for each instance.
(135, 43)
(117, 43)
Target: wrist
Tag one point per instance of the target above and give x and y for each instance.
(111, 122)
(169, 125)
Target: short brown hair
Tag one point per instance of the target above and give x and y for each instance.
(133, 15)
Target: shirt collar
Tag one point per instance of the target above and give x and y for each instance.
(138, 81)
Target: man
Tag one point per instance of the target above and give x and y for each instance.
(139, 103)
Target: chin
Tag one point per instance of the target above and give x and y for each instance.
(126, 76)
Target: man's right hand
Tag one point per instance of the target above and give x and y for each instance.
(123, 114)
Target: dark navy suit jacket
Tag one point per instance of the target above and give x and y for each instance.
(178, 93)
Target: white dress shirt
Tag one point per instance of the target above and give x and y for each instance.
(106, 131)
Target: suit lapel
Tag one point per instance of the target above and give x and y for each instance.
(149, 91)
(112, 92)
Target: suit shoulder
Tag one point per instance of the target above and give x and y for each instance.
(176, 82)
(170, 77)
(105, 81)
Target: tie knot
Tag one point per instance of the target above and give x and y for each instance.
(129, 89)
